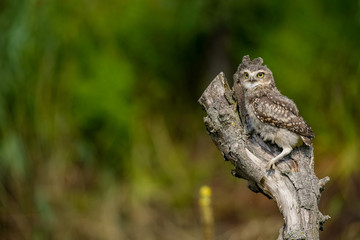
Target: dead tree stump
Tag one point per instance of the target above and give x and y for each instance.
(293, 185)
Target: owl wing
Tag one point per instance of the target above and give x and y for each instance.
(279, 113)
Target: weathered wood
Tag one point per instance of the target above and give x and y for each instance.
(293, 185)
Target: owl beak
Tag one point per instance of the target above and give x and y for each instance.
(252, 79)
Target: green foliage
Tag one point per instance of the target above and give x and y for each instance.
(101, 133)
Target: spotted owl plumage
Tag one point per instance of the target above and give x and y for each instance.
(269, 113)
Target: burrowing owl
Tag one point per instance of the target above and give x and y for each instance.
(272, 115)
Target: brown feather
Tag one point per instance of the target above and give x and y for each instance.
(283, 114)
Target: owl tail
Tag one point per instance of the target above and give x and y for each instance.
(306, 140)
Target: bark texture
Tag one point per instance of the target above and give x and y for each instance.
(293, 185)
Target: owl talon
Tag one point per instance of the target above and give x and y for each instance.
(270, 165)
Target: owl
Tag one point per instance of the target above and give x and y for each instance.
(269, 113)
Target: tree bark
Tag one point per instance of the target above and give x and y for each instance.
(293, 185)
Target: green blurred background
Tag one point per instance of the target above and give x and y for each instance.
(101, 135)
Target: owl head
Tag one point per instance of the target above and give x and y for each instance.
(252, 74)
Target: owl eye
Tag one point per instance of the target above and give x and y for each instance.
(246, 75)
(260, 75)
